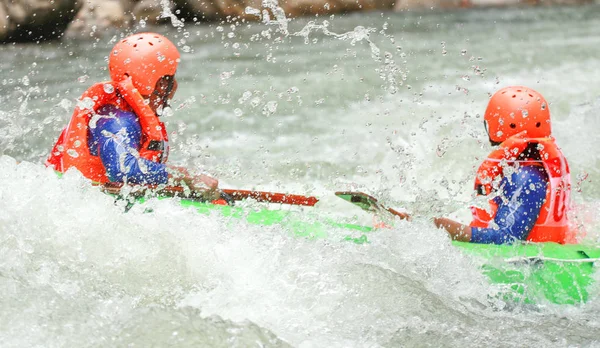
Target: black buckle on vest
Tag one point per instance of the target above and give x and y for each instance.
(480, 190)
(156, 145)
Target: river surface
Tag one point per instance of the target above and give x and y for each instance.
(386, 103)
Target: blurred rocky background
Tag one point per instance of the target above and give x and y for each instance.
(39, 20)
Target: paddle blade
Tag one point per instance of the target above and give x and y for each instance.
(362, 200)
(369, 203)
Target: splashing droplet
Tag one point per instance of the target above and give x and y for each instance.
(270, 108)
(252, 11)
(72, 153)
(108, 88)
(86, 104)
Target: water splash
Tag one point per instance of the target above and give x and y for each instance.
(389, 70)
(166, 13)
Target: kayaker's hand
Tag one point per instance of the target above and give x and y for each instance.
(456, 230)
(205, 184)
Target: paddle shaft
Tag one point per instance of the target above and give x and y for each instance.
(272, 197)
(238, 195)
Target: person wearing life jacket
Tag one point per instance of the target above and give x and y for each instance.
(115, 133)
(527, 175)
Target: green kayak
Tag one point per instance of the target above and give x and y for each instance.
(526, 273)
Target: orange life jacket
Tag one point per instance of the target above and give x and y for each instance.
(552, 224)
(71, 148)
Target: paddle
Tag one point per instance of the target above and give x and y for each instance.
(370, 204)
(229, 195)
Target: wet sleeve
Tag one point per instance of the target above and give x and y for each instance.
(118, 142)
(524, 193)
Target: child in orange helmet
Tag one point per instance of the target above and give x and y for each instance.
(115, 134)
(527, 174)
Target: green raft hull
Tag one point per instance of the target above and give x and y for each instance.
(525, 273)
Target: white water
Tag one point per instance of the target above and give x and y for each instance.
(77, 271)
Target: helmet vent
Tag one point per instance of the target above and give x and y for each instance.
(538, 125)
(514, 96)
(513, 126)
(150, 43)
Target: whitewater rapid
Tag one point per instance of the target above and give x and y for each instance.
(397, 116)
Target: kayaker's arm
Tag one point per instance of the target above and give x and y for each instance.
(523, 196)
(116, 140)
(524, 193)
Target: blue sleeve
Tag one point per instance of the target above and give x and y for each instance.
(523, 194)
(116, 139)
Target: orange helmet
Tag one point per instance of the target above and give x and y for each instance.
(515, 109)
(144, 57)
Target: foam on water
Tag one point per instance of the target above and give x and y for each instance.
(76, 268)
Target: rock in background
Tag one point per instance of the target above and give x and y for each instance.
(35, 20)
(96, 16)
